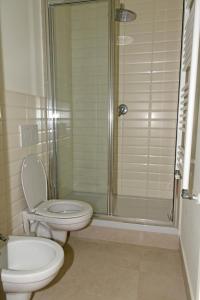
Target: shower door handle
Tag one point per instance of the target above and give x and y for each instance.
(122, 109)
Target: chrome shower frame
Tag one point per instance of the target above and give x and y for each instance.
(49, 37)
(50, 91)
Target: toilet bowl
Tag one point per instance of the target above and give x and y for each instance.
(31, 264)
(49, 218)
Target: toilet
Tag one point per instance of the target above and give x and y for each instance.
(49, 218)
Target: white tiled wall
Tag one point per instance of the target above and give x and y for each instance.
(148, 84)
(20, 109)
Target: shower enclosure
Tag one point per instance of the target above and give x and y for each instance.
(114, 71)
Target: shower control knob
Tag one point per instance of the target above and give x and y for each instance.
(122, 109)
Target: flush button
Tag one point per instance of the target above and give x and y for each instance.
(28, 135)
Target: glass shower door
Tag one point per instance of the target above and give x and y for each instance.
(148, 83)
(80, 56)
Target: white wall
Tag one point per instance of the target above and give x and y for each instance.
(22, 46)
(22, 102)
(190, 243)
(190, 230)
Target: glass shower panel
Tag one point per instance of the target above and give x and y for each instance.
(149, 60)
(80, 43)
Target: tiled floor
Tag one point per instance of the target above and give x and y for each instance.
(104, 271)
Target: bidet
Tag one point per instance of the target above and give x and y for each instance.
(32, 263)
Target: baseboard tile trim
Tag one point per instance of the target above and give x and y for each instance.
(130, 236)
(186, 275)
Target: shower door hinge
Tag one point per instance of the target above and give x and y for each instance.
(185, 194)
(177, 175)
(54, 191)
(170, 215)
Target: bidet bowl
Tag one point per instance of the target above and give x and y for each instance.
(32, 263)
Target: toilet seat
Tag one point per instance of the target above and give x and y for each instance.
(63, 209)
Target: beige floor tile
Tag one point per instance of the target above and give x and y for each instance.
(96, 270)
(166, 262)
(122, 255)
(161, 287)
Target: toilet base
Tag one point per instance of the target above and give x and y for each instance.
(43, 230)
(18, 296)
(58, 231)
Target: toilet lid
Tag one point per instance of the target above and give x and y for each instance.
(34, 181)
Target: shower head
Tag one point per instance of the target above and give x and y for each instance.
(124, 15)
